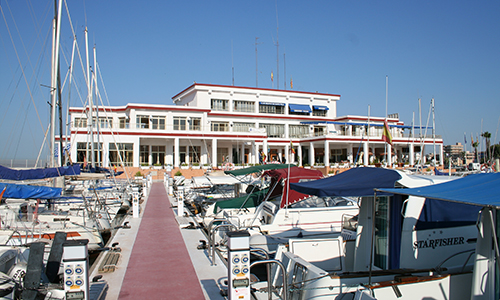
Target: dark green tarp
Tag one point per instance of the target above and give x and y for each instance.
(253, 201)
(256, 169)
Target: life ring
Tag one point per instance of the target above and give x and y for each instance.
(484, 167)
(228, 166)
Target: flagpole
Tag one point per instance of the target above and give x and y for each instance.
(386, 102)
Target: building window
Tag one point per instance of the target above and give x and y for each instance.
(320, 110)
(195, 124)
(158, 122)
(244, 106)
(144, 155)
(220, 104)
(242, 127)
(124, 123)
(274, 130)
(84, 154)
(272, 108)
(319, 113)
(158, 155)
(298, 131)
(125, 150)
(80, 123)
(194, 154)
(182, 154)
(220, 126)
(105, 122)
(319, 130)
(179, 123)
(142, 122)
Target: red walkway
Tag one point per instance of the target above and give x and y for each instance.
(159, 266)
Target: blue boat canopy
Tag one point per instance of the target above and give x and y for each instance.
(19, 191)
(272, 103)
(300, 108)
(11, 174)
(476, 189)
(354, 182)
(320, 107)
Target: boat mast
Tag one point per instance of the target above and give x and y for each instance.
(91, 106)
(54, 83)
(433, 130)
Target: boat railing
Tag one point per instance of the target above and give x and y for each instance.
(439, 268)
(268, 269)
(212, 238)
(283, 273)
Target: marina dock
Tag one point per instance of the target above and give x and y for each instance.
(159, 258)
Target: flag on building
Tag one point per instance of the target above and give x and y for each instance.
(465, 139)
(291, 83)
(386, 135)
(272, 76)
(471, 140)
(291, 147)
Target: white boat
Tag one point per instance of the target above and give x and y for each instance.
(390, 246)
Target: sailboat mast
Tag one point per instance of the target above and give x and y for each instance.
(91, 106)
(433, 130)
(54, 84)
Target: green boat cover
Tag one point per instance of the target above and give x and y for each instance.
(256, 169)
(254, 199)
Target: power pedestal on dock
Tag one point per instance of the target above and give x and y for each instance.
(238, 265)
(76, 269)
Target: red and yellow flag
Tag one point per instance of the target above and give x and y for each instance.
(291, 147)
(272, 76)
(386, 135)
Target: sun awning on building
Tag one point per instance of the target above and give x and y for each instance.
(320, 107)
(300, 108)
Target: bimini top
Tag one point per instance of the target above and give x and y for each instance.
(354, 182)
(476, 189)
(256, 169)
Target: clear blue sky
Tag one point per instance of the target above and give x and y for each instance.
(148, 51)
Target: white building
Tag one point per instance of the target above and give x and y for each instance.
(216, 124)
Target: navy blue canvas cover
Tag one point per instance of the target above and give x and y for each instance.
(41, 173)
(354, 182)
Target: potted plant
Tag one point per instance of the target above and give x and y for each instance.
(178, 173)
(206, 166)
(138, 175)
(158, 166)
(184, 165)
(196, 165)
(144, 166)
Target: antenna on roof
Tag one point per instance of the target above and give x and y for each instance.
(277, 50)
(232, 61)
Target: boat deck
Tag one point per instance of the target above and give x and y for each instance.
(159, 258)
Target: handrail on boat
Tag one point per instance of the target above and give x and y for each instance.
(212, 238)
(472, 251)
(268, 269)
(283, 271)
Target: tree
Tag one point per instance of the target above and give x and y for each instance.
(486, 135)
(475, 145)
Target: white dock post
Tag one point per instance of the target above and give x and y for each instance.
(135, 205)
(180, 204)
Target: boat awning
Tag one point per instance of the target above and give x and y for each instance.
(300, 108)
(252, 200)
(320, 107)
(41, 173)
(354, 182)
(20, 191)
(256, 169)
(476, 189)
(272, 103)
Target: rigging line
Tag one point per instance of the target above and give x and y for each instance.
(19, 61)
(77, 48)
(113, 136)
